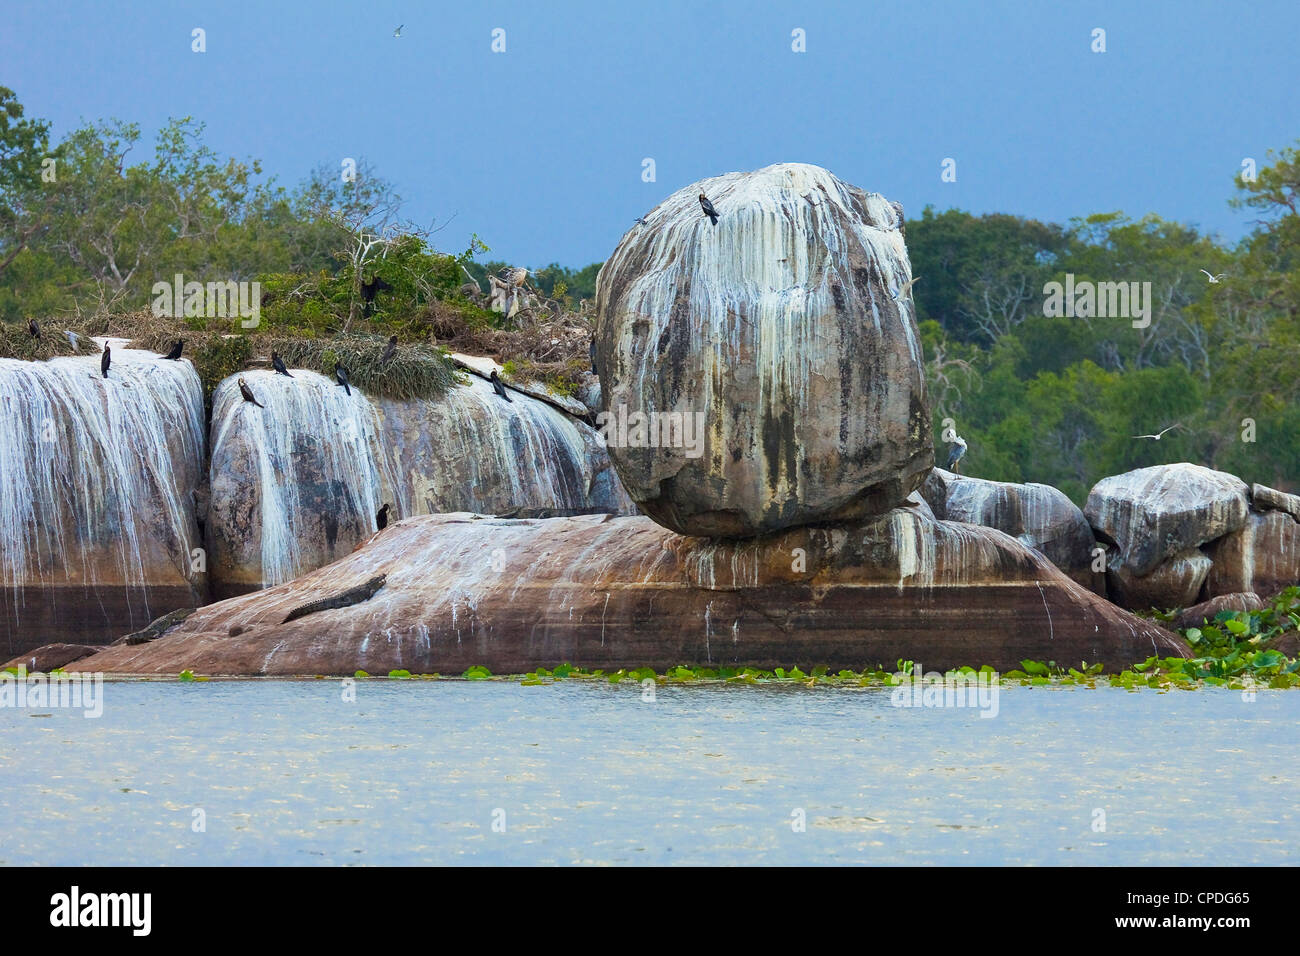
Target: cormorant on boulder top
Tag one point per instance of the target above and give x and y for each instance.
(708, 209)
(381, 518)
(175, 353)
(498, 387)
(248, 394)
(33, 329)
(106, 360)
(341, 374)
(277, 363)
(390, 351)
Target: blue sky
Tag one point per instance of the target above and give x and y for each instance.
(539, 149)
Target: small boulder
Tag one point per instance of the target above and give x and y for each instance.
(1175, 582)
(1036, 515)
(1198, 614)
(1153, 514)
(1263, 498)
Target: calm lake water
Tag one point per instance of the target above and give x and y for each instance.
(412, 772)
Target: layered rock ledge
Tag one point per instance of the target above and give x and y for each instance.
(608, 592)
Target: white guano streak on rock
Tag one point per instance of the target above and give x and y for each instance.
(89, 464)
(306, 414)
(728, 269)
(523, 445)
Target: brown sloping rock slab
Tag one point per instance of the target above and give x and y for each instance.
(786, 333)
(50, 656)
(1198, 614)
(1157, 513)
(1263, 556)
(1038, 516)
(609, 592)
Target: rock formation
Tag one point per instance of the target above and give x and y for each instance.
(1199, 614)
(1174, 582)
(1262, 556)
(1153, 513)
(297, 485)
(609, 592)
(777, 334)
(98, 478)
(1156, 519)
(1038, 516)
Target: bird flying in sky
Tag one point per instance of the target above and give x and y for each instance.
(906, 290)
(1161, 434)
(398, 32)
(1214, 279)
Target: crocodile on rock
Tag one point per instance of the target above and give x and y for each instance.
(353, 595)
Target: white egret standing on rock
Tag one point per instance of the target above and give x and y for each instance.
(956, 452)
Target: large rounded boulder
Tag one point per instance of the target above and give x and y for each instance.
(766, 371)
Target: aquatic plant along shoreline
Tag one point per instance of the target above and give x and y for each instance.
(98, 480)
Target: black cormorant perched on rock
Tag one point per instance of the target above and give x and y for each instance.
(381, 518)
(708, 209)
(33, 329)
(106, 360)
(390, 351)
(341, 374)
(955, 453)
(248, 394)
(175, 353)
(277, 363)
(498, 387)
